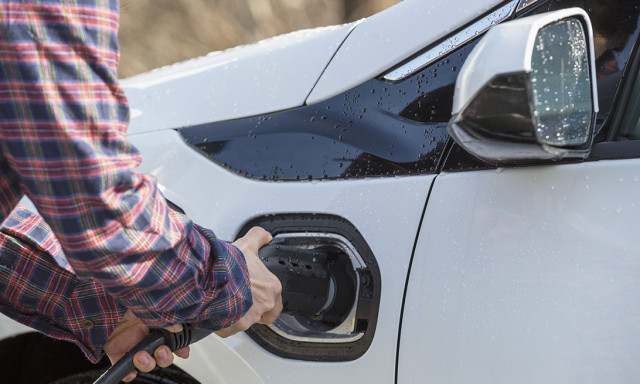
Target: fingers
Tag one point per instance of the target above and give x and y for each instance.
(143, 361)
(129, 332)
(174, 328)
(162, 356)
(266, 289)
(269, 317)
(255, 239)
(182, 352)
(132, 375)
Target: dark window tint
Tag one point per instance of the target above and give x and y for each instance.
(630, 122)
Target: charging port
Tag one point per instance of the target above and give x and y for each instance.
(331, 288)
(338, 264)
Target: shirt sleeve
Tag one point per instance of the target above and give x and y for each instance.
(39, 289)
(63, 119)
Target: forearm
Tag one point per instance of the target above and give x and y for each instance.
(201, 280)
(38, 289)
(37, 292)
(62, 131)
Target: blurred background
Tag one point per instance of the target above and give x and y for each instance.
(154, 33)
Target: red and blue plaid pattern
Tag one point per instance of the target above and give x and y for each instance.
(117, 245)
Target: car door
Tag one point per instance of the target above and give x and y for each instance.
(385, 212)
(531, 274)
(350, 170)
(527, 275)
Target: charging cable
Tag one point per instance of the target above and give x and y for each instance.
(156, 338)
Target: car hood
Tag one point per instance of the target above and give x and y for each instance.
(291, 70)
(271, 75)
(388, 38)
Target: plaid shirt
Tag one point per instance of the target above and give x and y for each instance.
(106, 240)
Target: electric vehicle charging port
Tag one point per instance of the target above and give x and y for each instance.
(332, 281)
(336, 321)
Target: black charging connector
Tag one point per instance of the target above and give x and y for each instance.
(308, 289)
(156, 338)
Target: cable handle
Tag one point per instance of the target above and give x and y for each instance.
(155, 339)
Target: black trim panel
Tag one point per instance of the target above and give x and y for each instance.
(376, 129)
(381, 128)
(613, 150)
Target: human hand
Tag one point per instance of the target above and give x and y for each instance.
(127, 334)
(265, 287)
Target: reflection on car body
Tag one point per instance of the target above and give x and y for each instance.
(504, 269)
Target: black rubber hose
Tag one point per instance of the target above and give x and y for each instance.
(156, 338)
(307, 290)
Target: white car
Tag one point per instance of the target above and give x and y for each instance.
(479, 191)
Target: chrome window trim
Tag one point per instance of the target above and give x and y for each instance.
(525, 4)
(455, 41)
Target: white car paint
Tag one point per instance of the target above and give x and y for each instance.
(271, 75)
(520, 275)
(10, 327)
(257, 78)
(387, 38)
(527, 275)
(386, 211)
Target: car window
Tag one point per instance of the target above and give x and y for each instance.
(630, 124)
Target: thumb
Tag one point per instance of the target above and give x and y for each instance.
(256, 238)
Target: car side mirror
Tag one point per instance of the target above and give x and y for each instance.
(528, 90)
